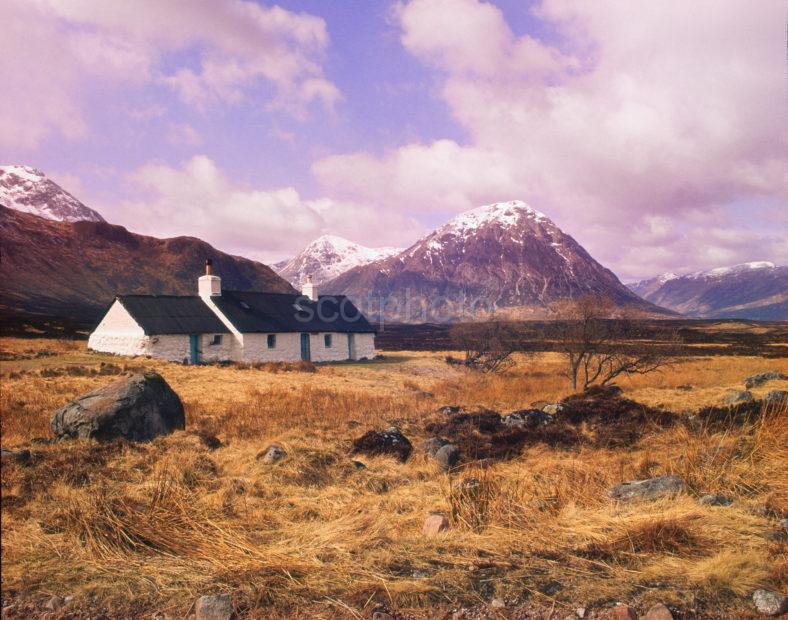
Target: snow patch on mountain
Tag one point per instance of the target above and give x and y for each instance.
(327, 257)
(507, 214)
(26, 189)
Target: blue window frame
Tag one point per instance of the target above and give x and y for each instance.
(327, 340)
(271, 341)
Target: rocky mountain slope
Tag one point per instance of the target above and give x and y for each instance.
(757, 291)
(327, 257)
(29, 190)
(502, 256)
(74, 269)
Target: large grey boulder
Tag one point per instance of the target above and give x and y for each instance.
(527, 418)
(769, 602)
(761, 378)
(775, 398)
(216, 607)
(447, 456)
(651, 488)
(138, 407)
(738, 398)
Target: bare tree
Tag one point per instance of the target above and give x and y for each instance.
(602, 343)
(487, 347)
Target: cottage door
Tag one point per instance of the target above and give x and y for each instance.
(351, 347)
(305, 354)
(194, 349)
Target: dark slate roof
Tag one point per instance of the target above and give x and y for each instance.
(172, 314)
(279, 312)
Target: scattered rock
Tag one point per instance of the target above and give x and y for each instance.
(55, 603)
(738, 398)
(448, 456)
(580, 612)
(658, 612)
(432, 445)
(783, 524)
(527, 418)
(715, 500)
(272, 454)
(553, 408)
(434, 525)
(450, 409)
(684, 388)
(389, 442)
(775, 398)
(770, 603)
(777, 536)
(20, 456)
(648, 489)
(497, 603)
(138, 408)
(211, 442)
(216, 607)
(621, 612)
(761, 378)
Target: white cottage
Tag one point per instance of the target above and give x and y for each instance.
(217, 325)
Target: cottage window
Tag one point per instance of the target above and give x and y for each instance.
(271, 341)
(327, 340)
(217, 339)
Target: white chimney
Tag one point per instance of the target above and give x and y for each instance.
(209, 285)
(309, 289)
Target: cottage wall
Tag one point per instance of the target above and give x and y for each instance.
(255, 348)
(365, 346)
(119, 333)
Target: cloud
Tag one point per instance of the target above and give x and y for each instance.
(183, 134)
(198, 199)
(55, 52)
(630, 118)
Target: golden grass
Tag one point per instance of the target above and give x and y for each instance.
(134, 529)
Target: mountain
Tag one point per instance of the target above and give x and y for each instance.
(757, 291)
(74, 269)
(29, 190)
(500, 256)
(327, 257)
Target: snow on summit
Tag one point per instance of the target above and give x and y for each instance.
(26, 189)
(505, 213)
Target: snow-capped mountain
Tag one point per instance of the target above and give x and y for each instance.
(503, 255)
(29, 190)
(326, 258)
(756, 290)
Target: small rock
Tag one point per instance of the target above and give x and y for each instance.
(432, 445)
(770, 603)
(389, 442)
(497, 603)
(68, 599)
(761, 378)
(622, 612)
(553, 408)
(715, 500)
(738, 398)
(580, 612)
(651, 488)
(658, 612)
(449, 409)
(783, 524)
(448, 456)
(21, 456)
(216, 607)
(55, 603)
(527, 418)
(272, 454)
(775, 398)
(777, 536)
(435, 524)
(684, 388)
(380, 615)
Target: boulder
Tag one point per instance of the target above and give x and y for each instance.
(738, 398)
(389, 442)
(137, 407)
(715, 500)
(775, 398)
(649, 489)
(272, 454)
(770, 603)
(621, 612)
(217, 607)
(450, 409)
(434, 525)
(553, 408)
(658, 612)
(527, 418)
(761, 378)
(448, 456)
(432, 445)
(783, 525)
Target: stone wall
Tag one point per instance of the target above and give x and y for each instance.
(288, 348)
(118, 333)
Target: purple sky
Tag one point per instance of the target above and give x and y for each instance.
(655, 133)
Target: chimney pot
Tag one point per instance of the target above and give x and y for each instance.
(208, 266)
(309, 289)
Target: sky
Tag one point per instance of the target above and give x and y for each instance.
(654, 133)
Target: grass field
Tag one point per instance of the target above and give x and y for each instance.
(133, 530)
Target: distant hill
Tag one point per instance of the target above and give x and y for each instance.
(29, 190)
(504, 256)
(74, 269)
(757, 291)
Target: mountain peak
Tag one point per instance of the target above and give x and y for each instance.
(504, 213)
(27, 189)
